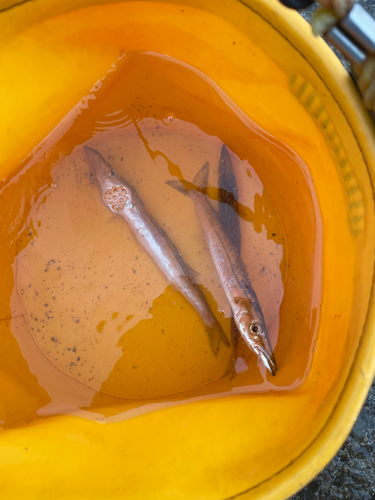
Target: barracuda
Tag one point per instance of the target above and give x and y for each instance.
(231, 269)
(122, 199)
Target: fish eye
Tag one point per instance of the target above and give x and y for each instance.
(112, 173)
(255, 330)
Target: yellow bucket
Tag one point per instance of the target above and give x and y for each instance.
(264, 446)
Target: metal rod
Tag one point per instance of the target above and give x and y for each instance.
(346, 46)
(360, 26)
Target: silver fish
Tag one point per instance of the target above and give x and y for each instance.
(122, 199)
(246, 309)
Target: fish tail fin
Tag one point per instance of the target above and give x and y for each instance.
(201, 178)
(224, 338)
(235, 336)
(215, 336)
(193, 273)
(177, 185)
(200, 181)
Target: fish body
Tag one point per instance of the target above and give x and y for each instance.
(242, 298)
(122, 199)
(228, 196)
(230, 222)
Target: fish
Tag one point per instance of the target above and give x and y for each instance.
(232, 272)
(230, 222)
(228, 196)
(122, 199)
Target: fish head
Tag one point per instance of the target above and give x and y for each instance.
(117, 193)
(254, 331)
(261, 344)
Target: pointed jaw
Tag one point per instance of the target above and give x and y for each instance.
(268, 359)
(98, 163)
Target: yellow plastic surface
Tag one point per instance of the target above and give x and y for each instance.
(259, 446)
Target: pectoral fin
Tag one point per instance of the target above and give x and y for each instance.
(177, 185)
(199, 182)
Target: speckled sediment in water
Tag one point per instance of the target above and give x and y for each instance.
(87, 263)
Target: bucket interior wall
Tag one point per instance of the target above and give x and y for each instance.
(259, 446)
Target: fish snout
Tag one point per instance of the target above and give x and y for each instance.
(266, 354)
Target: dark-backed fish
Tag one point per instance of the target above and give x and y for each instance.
(230, 222)
(228, 196)
(232, 271)
(122, 199)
